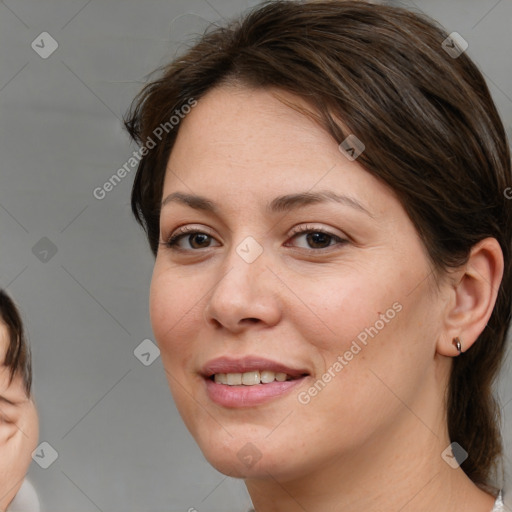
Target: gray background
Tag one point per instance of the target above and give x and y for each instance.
(121, 444)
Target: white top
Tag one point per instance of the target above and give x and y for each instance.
(26, 499)
(498, 504)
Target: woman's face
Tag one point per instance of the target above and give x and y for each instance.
(19, 428)
(337, 293)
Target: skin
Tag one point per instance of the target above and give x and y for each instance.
(19, 429)
(372, 438)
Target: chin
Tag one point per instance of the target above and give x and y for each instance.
(245, 457)
(245, 466)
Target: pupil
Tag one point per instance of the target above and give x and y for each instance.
(200, 235)
(318, 238)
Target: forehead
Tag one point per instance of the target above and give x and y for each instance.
(244, 144)
(226, 115)
(245, 133)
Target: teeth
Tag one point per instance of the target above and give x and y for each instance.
(249, 378)
(221, 378)
(267, 376)
(234, 379)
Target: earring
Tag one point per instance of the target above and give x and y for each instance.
(458, 346)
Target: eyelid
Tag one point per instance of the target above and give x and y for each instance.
(304, 228)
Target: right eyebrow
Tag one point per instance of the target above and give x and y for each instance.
(194, 201)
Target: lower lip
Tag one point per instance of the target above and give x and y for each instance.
(248, 396)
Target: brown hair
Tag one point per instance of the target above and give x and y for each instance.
(18, 357)
(431, 131)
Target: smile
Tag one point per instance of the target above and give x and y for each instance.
(249, 381)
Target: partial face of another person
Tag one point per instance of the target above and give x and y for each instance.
(19, 428)
(337, 291)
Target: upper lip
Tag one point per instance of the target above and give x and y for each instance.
(248, 364)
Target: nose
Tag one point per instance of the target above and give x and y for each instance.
(246, 293)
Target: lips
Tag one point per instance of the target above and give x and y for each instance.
(224, 378)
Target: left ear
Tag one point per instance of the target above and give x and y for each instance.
(473, 297)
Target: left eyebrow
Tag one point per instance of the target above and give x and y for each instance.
(293, 201)
(279, 204)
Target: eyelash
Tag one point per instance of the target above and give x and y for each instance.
(173, 241)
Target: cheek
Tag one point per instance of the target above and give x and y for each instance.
(174, 322)
(168, 305)
(335, 310)
(175, 314)
(364, 328)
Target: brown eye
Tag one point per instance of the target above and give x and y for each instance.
(200, 238)
(196, 239)
(317, 238)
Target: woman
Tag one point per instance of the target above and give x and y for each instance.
(323, 187)
(19, 424)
